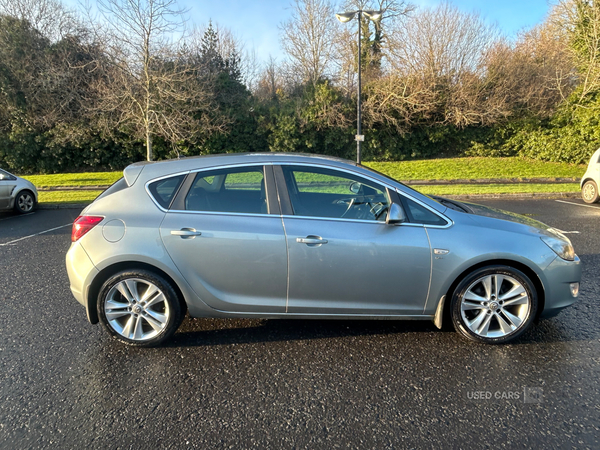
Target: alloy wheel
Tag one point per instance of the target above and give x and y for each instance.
(495, 306)
(25, 202)
(136, 309)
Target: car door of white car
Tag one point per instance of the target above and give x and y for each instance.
(343, 257)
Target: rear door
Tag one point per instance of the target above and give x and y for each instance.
(225, 234)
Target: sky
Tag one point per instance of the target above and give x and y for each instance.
(256, 22)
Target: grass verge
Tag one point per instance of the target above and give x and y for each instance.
(78, 197)
(68, 197)
(434, 169)
(476, 168)
(525, 188)
(74, 179)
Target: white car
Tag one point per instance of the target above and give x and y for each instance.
(17, 193)
(591, 180)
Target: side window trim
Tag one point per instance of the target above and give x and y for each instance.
(178, 203)
(282, 192)
(273, 205)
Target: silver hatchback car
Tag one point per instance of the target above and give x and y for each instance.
(307, 237)
(17, 193)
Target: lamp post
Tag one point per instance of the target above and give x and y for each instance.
(344, 18)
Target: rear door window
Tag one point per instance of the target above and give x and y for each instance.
(232, 190)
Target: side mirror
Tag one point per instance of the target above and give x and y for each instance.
(355, 187)
(395, 214)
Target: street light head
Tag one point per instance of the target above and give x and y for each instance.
(373, 15)
(346, 16)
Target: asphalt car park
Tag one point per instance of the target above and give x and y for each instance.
(289, 383)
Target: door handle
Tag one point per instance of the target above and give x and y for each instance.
(311, 240)
(186, 233)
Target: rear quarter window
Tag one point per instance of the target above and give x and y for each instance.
(163, 191)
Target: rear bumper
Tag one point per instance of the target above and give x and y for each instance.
(80, 269)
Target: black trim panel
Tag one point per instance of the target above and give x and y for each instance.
(284, 196)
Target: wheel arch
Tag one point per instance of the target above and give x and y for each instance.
(585, 180)
(531, 274)
(107, 272)
(18, 191)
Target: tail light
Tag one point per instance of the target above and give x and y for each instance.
(82, 225)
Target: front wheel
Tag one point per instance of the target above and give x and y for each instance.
(24, 202)
(589, 192)
(494, 305)
(139, 308)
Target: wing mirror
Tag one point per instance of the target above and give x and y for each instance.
(395, 214)
(355, 187)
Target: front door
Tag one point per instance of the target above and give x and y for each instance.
(343, 257)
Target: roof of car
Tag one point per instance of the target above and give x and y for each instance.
(153, 169)
(262, 156)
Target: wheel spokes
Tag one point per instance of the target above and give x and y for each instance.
(136, 309)
(495, 305)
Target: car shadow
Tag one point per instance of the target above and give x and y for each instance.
(217, 332)
(207, 332)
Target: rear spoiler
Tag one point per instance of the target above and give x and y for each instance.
(132, 172)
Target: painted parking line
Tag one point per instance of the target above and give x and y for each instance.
(578, 204)
(37, 234)
(16, 217)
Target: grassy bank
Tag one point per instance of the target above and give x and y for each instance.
(476, 168)
(435, 169)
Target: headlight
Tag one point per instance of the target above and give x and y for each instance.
(560, 244)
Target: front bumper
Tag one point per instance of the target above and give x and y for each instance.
(559, 276)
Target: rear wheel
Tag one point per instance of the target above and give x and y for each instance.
(494, 305)
(24, 202)
(589, 192)
(139, 308)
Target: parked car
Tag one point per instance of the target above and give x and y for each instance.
(591, 180)
(17, 193)
(306, 237)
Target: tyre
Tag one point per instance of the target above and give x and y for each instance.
(24, 202)
(589, 192)
(494, 305)
(139, 308)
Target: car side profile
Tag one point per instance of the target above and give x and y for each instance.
(309, 237)
(591, 180)
(17, 193)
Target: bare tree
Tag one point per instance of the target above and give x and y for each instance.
(270, 81)
(308, 38)
(580, 22)
(49, 17)
(151, 86)
(446, 49)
